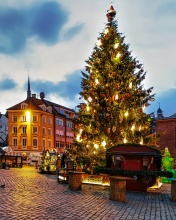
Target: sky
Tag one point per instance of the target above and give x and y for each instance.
(49, 40)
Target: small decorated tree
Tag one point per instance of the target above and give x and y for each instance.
(114, 98)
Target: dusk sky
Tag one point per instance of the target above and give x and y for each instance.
(50, 41)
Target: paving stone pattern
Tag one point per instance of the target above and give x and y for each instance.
(30, 195)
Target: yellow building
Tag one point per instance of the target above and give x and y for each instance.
(36, 125)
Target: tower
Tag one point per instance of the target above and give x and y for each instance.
(28, 89)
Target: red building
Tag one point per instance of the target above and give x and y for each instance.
(166, 132)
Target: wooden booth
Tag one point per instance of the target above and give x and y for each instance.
(130, 157)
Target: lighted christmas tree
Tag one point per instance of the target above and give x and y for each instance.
(114, 98)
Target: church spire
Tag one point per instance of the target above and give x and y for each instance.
(28, 90)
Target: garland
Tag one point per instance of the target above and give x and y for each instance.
(132, 173)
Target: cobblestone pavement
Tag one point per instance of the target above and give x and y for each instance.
(30, 195)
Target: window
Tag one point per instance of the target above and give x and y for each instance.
(68, 145)
(23, 118)
(35, 142)
(59, 144)
(69, 124)
(70, 134)
(14, 130)
(35, 130)
(59, 132)
(24, 129)
(24, 142)
(49, 121)
(49, 131)
(43, 107)
(44, 131)
(44, 144)
(49, 144)
(14, 119)
(23, 106)
(44, 119)
(35, 118)
(59, 122)
(15, 142)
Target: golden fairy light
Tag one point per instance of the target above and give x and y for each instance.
(124, 140)
(141, 142)
(89, 99)
(78, 137)
(104, 143)
(130, 85)
(96, 81)
(116, 45)
(87, 108)
(96, 146)
(106, 30)
(80, 131)
(116, 96)
(133, 127)
(118, 55)
(126, 114)
(98, 43)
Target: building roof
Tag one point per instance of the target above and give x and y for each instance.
(172, 116)
(33, 103)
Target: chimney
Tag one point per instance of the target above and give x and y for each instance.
(34, 96)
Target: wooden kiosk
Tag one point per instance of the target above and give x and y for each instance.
(135, 157)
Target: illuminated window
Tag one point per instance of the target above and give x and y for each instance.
(23, 118)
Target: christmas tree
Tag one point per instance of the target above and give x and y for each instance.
(114, 98)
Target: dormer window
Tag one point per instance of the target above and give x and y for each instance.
(49, 109)
(44, 108)
(23, 105)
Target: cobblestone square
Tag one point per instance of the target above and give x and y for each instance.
(30, 195)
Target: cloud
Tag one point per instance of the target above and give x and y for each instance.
(68, 88)
(42, 22)
(7, 84)
(71, 32)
